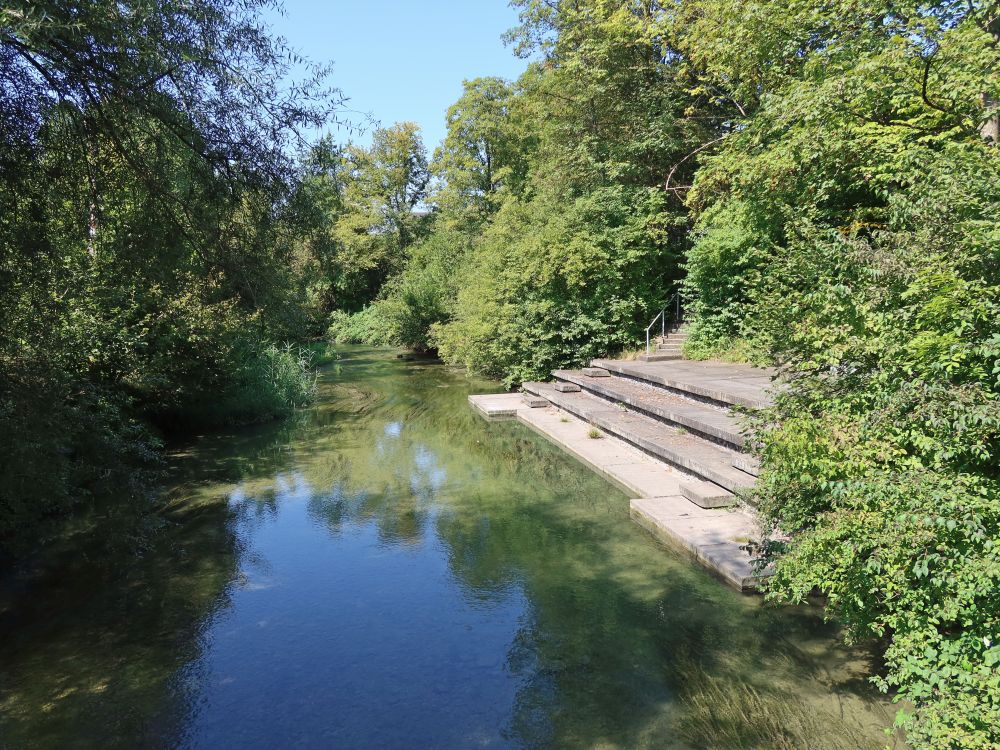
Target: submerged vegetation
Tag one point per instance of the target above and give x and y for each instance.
(821, 180)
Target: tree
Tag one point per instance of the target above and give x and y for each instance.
(484, 151)
(384, 187)
(143, 164)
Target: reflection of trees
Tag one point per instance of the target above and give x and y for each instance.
(620, 645)
(623, 645)
(91, 646)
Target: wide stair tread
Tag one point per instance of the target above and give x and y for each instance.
(714, 422)
(675, 446)
(725, 385)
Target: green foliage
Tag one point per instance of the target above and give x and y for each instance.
(557, 239)
(363, 327)
(547, 288)
(145, 241)
(881, 460)
(847, 231)
(485, 152)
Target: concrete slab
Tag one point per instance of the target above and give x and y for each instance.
(676, 446)
(720, 382)
(534, 402)
(497, 406)
(712, 421)
(567, 387)
(595, 372)
(625, 466)
(707, 495)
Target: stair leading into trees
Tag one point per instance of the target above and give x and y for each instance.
(667, 347)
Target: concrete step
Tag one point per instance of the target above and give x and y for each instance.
(669, 348)
(707, 494)
(675, 446)
(659, 357)
(533, 401)
(567, 387)
(747, 464)
(711, 422)
(717, 383)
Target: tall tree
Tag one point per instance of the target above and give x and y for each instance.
(384, 189)
(484, 151)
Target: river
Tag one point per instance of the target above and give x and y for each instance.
(386, 570)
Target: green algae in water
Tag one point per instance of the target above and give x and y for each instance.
(388, 570)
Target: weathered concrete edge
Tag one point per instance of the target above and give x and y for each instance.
(734, 439)
(505, 415)
(700, 553)
(713, 394)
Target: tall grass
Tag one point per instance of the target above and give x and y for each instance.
(268, 383)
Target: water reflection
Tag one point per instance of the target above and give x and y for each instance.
(389, 571)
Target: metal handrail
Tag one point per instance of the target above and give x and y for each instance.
(675, 305)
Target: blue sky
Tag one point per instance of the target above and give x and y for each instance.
(402, 60)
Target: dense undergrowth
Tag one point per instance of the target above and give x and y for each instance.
(151, 252)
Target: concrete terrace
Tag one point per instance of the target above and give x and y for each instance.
(670, 439)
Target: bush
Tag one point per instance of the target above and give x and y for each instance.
(881, 458)
(364, 327)
(267, 383)
(551, 285)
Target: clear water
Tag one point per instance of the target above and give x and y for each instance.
(389, 571)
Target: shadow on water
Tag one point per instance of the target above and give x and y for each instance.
(387, 570)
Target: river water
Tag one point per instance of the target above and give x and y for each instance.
(386, 570)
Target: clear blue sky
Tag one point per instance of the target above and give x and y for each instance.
(400, 60)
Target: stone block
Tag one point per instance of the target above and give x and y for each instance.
(707, 495)
(567, 387)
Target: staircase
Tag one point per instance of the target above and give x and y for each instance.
(680, 413)
(667, 346)
(673, 439)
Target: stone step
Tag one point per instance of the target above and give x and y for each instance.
(567, 387)
(658, 357)
(674, 446)
(719, 383)
(747, 464)
(596, 372)
(707, 494)
(708, 421)
(669, 348)
(533, 401)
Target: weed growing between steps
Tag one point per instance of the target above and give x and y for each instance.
(594, 434)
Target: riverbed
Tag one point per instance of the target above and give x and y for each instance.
(386, 570)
